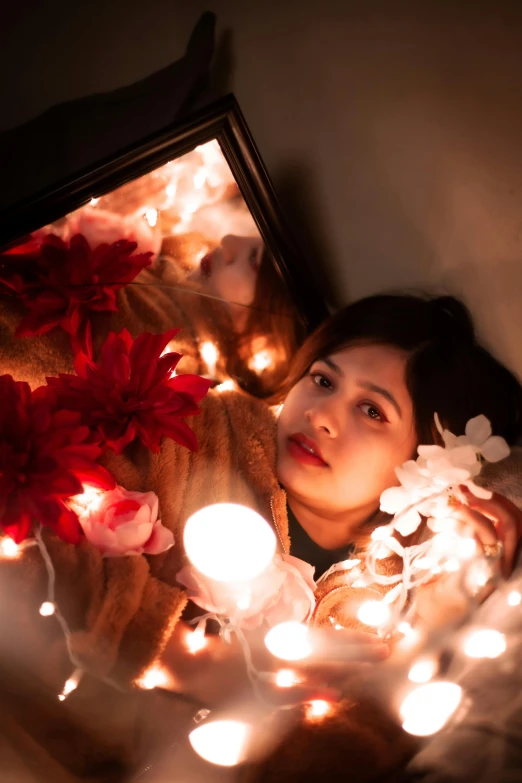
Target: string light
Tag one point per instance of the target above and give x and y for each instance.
(261, 361)
(151, 216)
(374, 613)
(47, 609)
(286, 678)
(428, 708)
(210, 355)
(423, 670)
(227, 385)
(289, 641)
(93, 202)
(229, 542)
(514, 598)
(71, 684)
(196, 640)
(154, 677)
(317, 709)
(484, 643)
(9, 548)
(221, 742)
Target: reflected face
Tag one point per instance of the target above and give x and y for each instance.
(344, 428)
(230, 271)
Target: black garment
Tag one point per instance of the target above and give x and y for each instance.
(303, 547)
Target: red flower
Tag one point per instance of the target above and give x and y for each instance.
(131, 393)
(18, 265)
(45, 457)
(72, 280)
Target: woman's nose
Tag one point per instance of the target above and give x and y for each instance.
(230, 246)
(323, 420)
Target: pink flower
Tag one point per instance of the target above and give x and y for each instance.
(282, 592)
(125, 523)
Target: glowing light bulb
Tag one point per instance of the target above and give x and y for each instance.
(405, 628)
(151, 216)
(286, 678)
(89, 500)
(47, 609)
(227, 385)
(71, 684)
(155, 677)
(210, 355)
(514, 598)
(423, 670)
(374, 613)
(428, 708)
(317, 709)
(196, 640)
(289, 641)
(222, 742)
(485, 643)
(9, 548)
(260, 361)
(93, 202)
(229, 542)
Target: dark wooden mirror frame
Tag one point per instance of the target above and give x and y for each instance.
(224, 122)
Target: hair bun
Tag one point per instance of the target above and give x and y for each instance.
(452, 319)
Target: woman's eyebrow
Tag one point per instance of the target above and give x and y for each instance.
(383, 392)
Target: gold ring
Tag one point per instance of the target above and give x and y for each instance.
(493, 551)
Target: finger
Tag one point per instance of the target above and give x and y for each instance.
(491, 529)
(507, 519)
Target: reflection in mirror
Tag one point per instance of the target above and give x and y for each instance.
(197, 262)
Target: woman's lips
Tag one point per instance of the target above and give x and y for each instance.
(305, 451)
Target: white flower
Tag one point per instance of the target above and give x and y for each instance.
(427, 483)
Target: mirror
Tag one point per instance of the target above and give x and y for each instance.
(204, 261)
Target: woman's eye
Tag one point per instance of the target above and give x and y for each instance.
(321, 380)
(372, 412)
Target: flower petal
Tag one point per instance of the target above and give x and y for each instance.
(479, 492)
(161, 539)
(495, 448)
(407, 524)
(478, 429)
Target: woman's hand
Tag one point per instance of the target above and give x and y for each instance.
(217, 674)
(497, 525)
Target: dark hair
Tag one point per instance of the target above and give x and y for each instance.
(448, 372)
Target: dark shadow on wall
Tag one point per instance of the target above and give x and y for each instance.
(296, 190)
(74, 136)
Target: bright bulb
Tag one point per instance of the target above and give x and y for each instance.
(374, 613)
(229, 542)
(260, 361)
(47, 609)
(485, 643)
(151, 216)
(423, 670)
(89, 500)
(466, 548)
(196, 640)
(289, 641)
(428, 708)
(71, 684)
(93, 202)
(221, 742)
(286, 678)
(227, 385)
(514, 598)
(9, 548)
(210, 355)
(318, 709)
(155, 677)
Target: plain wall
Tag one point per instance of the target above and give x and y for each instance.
(392, 131)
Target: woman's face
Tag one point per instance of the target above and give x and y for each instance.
(230, 271)
(344, 428)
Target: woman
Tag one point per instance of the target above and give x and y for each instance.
(363, 392)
